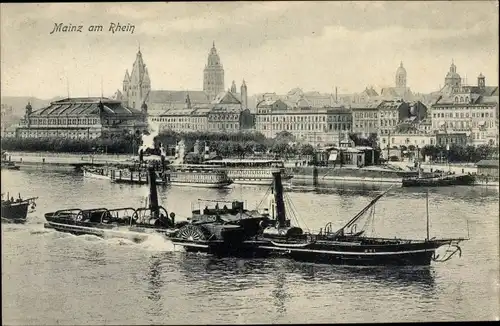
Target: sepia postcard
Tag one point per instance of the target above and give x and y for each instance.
(249, 162)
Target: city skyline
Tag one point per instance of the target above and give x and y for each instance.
(274, 46)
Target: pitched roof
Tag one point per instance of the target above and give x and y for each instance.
(303, 103)
(268, 103)
(370, 92)
(165, 96)
(390, 105)
(226, 98)
(177, 112)
(84, 106)
(295, 91)
(363, 106)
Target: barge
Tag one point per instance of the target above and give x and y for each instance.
(16, 210)
(440, 180)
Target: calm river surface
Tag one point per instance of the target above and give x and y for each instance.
(54, 278)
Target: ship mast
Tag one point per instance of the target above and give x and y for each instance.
(427, 212)
(278, 198)
(153, 193)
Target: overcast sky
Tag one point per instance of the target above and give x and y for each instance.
(274, 46)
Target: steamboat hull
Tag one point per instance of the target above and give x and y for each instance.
(136, 234)
(201, 185)
(256, 181)
(93, 175)
(419, 254)
(137, 181)
(10, 167)
(452, 180)
(246, 249)
(15, 212)
(420, 257)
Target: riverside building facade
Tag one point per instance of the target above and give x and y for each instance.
(472, 110)
(79, 118)
(315, 125)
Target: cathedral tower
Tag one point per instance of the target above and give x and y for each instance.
(213, 75)
(452, 78)
(481, 81)
(401, 76)
(244, 95)
(137, 85)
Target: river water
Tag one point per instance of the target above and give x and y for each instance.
(54, 278)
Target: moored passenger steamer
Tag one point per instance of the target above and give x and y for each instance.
(250, 171)
(199, 176)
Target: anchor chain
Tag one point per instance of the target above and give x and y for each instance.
(448, 255)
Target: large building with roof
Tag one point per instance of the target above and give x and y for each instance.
(225, 114)
(78, 118)
(473, 110)
(365, 119)
(323, 125)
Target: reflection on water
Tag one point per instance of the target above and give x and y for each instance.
(239, 273)
(279, 292)
(155, 279)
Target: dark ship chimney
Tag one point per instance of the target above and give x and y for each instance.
(278, 198)
(153, 194)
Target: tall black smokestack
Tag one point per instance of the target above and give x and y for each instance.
(153, 194)
(278, 198)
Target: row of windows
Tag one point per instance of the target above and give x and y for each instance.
(461, 99)
(315, 127)
(77, 134)
(451, 140)
(219, 126)
(462, 107)
(462, 115)
(388, 114)
(361, 115)
(385, 123)
(192, 120)
(369, 125)
(408, 142)
(64, 121)
(465, 124)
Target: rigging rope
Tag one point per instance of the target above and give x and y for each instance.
(265, 196)
(295, 211)
(373, 220)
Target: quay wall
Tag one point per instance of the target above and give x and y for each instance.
(453, 167)
(321, 175)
